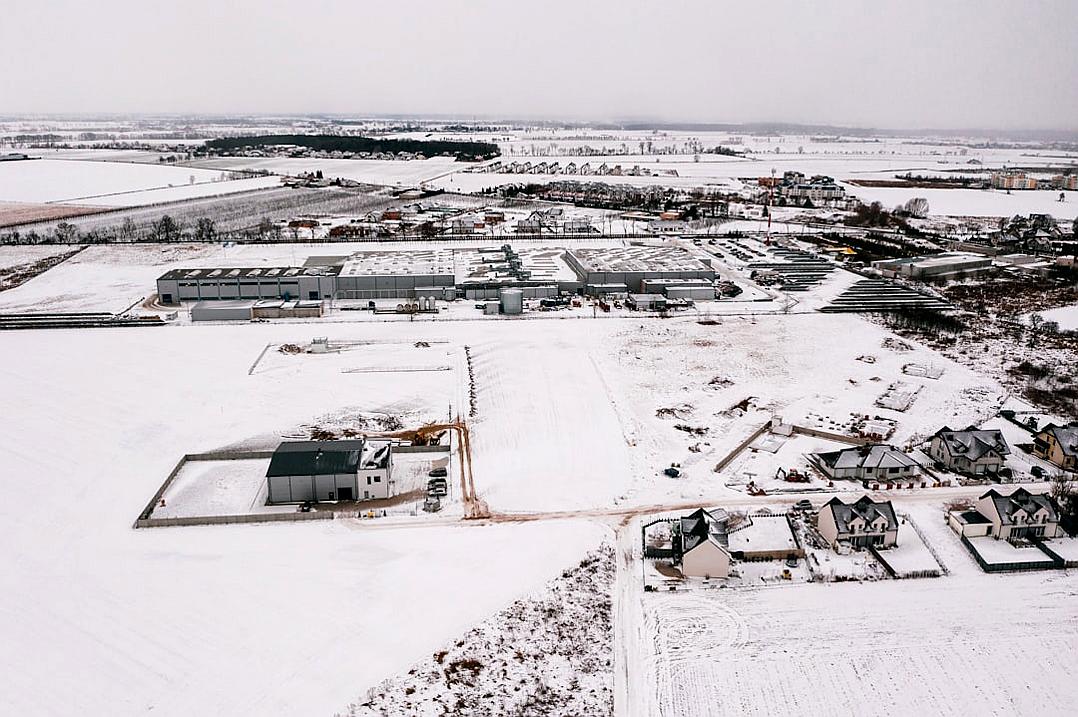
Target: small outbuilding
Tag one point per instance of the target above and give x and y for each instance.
(223, 311)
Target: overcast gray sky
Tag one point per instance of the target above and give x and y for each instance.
(909, 64)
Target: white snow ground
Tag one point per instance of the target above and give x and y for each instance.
(276, 619)
(118, 184)
(880, 648)
(280, 619)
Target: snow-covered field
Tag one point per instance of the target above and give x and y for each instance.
(911, 555)
(214, 620)
(882, 648)
(286, 619)
(975, 202)
(114, 184)
(1065, 316)
(546, 654)
(374, 171)
(204, 488)
(13, 256)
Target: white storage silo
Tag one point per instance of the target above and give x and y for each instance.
(512, 301)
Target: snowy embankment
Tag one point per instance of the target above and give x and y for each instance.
(551, 654)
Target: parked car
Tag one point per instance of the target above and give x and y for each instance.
(441, 472)
(305, 506)
(791, 562)
(432, 504)
(437, 487)
(803, 505)
(1036, 471)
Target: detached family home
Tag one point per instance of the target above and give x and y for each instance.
(330, 470)
(869, 462)
(859, 524)
(970, 452)
(702, 553)
(1017, 516)
(1058, 445)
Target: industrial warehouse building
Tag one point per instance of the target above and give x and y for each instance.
(330, 471)
(397, 275)
(938, 266)
(287, 283)
(623, 270)
(446, 274)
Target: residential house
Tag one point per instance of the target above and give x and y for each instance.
(1019, 515)
(698, 543)
(865, 522)
(969, 452)
(869, 462)
(1058, 445)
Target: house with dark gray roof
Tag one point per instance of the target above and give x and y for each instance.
(1058, 445)
(970, 452)
(868, 462)
(701, 544)
(865, 522)
(1019, 515)
(318, 471)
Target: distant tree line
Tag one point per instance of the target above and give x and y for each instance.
(463, 151)
(165, 230)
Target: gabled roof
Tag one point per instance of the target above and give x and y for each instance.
(1020, 500)
(874, 456)
(1066, 436)
(865, 508)
(973, 443)
(307, 458)
(696, 529)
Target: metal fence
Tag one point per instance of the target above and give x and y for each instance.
(232, 519)
(1049, 563)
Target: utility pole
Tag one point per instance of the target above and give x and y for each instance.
(770, 193)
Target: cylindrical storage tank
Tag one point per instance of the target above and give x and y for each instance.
(512, 301)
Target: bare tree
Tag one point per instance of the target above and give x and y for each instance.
(916, 207)
(66, 233)
(1062, 489)
(1065, 496)
(265, 226)
(166, 229)
(128, 230)
(1035, 323)
(205, 230)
